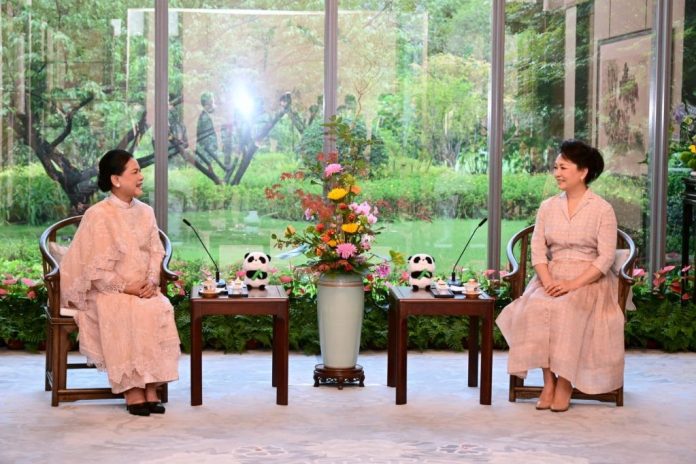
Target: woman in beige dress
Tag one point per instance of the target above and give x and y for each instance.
(568, 321)
(111, 275)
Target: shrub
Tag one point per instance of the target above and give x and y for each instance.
(29, 196)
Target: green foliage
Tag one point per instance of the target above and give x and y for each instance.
(312, 143)
(22, 295)
(29, 196)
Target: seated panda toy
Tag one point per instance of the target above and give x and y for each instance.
(421, 268)
(255, 267)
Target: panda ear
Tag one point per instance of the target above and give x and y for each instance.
(246, 254)
(409, 259)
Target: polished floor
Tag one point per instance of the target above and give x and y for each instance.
(239, 421)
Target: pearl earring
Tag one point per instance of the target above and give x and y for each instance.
(118, 185)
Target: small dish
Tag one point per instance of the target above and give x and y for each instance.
(209, 294)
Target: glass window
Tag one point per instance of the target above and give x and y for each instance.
(578, 70)
(414, 75)
(245, 86)
(76, 82)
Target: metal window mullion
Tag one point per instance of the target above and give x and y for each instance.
(495, 132)
(330, 65)
(161, 129)
(660, 92)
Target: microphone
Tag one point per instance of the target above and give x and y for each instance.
(453, 280)
(220, 283)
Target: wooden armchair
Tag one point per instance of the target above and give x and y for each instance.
(60, 323)
(521, 269)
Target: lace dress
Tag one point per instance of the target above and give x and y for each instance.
(133, 339)
(578, 335)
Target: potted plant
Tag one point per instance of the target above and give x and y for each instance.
(337, 241)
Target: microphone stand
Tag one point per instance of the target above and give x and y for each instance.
(453, 281)
(218, 282)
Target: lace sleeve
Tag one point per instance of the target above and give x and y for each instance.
(115, 285)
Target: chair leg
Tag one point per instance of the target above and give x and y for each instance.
(57, 370)
(49, 358)
(619, 397)
(164, 392)
(514, 383)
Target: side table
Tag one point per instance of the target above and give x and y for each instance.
(405, 302)
(271, 301)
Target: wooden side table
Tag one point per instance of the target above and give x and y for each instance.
(272, 301)
(405, 302)
(688, 219)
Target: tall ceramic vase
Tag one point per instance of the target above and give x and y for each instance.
(340, 305)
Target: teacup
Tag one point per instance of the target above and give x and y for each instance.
(472, 286)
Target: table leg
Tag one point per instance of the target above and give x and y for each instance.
(391, 344)
(401, 354)
(280, 351)
(473, 350)
(487, 359)
(196, 358)
(274, 352)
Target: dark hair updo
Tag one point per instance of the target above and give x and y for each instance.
(113, 163)
(584, 157)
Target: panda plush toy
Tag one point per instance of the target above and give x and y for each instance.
(255, 267)
(421, 268)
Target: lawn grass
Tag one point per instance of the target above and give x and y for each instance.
(229, 234)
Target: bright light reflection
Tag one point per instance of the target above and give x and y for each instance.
(244, 103)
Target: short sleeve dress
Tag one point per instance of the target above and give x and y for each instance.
(579, 335)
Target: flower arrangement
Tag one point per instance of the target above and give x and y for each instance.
(341, 229)
(685, 149)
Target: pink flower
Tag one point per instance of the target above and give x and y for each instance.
(272, 270)
(3, 292)
(31, 294)
(371, 218)
(638, 272)
(383, 270)
(686, 268)
(346, 250)
(332, 169)
(489, 273)
(285, 279)
(404, 276)
(9, 281)
(28, 282)
(362, 208)
(240, 274)
(666, 269)
(308, 214)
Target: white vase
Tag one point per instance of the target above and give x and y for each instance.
(340, 305)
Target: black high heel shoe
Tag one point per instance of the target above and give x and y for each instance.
(140, 409)
(155, 407)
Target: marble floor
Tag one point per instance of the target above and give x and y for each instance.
(239, 421)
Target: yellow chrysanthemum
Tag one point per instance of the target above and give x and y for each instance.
(332, 243)
(350, 228)
(337, 193)
(692, 148)
(289, 231)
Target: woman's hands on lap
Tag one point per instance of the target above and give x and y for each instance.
(559, 287)
(143, 289)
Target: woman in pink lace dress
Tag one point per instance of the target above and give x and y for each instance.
(568, 321)
(111, 275)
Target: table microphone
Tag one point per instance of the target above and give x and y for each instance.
(220, 283)
(454, 280)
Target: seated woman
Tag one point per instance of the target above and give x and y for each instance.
(111, 275)
(568, 321)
